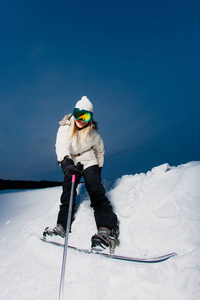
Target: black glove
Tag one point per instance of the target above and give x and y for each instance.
(68, 167)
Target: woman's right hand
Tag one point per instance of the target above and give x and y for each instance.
(69, 167)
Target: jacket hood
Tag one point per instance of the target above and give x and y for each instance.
(66, 120)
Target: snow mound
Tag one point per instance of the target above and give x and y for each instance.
(158, 213)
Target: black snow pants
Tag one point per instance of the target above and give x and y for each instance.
(103, 212)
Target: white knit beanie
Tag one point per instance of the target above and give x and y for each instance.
(85, 104)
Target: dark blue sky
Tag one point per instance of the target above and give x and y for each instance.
(137, 61)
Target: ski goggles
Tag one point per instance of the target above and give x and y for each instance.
(81, 114)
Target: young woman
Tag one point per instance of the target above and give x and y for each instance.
(80, 151)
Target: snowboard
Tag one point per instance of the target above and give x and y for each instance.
(114, 256)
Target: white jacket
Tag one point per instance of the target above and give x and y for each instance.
(89, 153)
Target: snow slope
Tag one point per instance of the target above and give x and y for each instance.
(158, 213)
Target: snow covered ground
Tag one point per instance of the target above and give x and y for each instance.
(159, 212)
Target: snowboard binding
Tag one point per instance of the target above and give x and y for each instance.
(104, 239)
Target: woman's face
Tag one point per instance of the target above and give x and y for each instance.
(80, 123)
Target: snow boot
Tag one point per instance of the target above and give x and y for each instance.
(58, 230)
(105, 238)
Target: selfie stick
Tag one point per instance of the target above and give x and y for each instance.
(61, 291)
